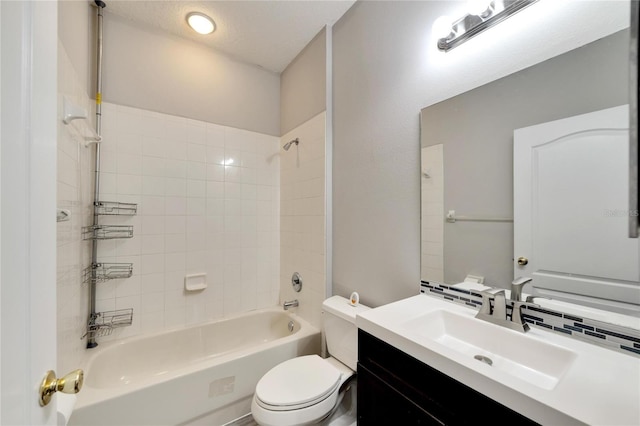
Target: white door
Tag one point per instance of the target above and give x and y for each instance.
(28, 45)
(570, 210)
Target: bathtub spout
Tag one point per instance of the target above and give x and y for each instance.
(290, 304)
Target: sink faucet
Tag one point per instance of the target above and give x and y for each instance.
(496, 313)
(290, 304)
(516, 288)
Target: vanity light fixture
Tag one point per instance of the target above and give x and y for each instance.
(479, 20)
(201, 23)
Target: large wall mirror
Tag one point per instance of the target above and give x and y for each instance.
(467, 154)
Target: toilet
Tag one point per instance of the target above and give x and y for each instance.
(309, 389)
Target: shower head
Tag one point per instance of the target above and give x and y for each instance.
(288, 144)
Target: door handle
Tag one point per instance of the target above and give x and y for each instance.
(71, 383)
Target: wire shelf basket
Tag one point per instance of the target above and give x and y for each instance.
(106, 232)
(102, 324)
(100, 272)
(115, 208)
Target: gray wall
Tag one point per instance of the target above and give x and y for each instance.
(167, 74)
(303, 85)
(385, 70)
(76, 32)
(376, 209)
(476, 129)
(147, 69)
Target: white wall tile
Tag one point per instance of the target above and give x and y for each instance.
(152, 283)
(175, 206)
(195, 214)
(196, 132)
(151, 206)
(175, 187)
(432, 226)
(196, 206)
(196, 170)
(175, 168)
(175, 243)
(196, 152)
(125, 143)
(175, 224)
(215, 135)
(153, 147)
(153, 185)
(300, 206)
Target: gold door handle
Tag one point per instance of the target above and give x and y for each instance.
(522, 261)
(71, 383)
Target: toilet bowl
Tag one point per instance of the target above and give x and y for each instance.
(308, 389)
(302, 390)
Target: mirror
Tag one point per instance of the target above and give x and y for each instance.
(467, 155)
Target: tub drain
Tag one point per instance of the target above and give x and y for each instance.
(484, 359)
(290, 326)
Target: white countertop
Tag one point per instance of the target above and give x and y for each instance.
(600, 387)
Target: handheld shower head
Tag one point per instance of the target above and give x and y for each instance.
(288, 144)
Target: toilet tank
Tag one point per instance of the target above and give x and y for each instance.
(340, 330)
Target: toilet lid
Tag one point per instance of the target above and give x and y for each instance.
(298, 382)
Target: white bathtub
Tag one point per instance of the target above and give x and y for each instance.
(204, 374)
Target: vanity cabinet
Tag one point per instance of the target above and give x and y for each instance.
(397, 389)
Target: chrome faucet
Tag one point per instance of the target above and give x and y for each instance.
(496, 313)
(516, 287)
(290, 304)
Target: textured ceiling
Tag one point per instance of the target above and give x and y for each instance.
(267, 33)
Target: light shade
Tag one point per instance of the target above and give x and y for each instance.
(201, 23)
(483, 17)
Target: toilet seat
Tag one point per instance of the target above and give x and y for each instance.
(299, 391)
(297, 383)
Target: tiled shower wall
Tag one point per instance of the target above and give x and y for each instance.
(74, 193)
(302, 217)
(208, 202)
(432, 201)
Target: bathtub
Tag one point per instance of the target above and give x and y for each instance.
(205, 374)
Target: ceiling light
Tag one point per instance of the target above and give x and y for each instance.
(201, 23)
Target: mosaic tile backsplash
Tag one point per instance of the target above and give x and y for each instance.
(618, 338)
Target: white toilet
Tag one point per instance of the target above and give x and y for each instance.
(308, 389)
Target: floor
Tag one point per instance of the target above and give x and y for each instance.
(346, 415)
(243, 421)
(248, 421)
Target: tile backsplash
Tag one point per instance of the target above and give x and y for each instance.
(618, 338)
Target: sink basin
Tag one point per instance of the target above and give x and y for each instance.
(534, 361)
(549, 377)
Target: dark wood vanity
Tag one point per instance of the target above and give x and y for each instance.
(397, 389)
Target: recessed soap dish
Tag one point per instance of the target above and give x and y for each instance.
(195, 282)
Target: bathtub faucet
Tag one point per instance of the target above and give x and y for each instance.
(291, 304)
